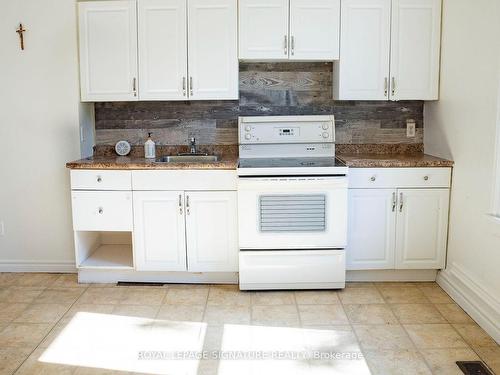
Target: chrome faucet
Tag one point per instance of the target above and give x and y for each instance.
(192, 145)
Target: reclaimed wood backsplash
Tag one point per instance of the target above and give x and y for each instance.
(265, 89)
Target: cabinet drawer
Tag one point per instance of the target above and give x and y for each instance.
(102, 210)
(101, 180)
(383, 178)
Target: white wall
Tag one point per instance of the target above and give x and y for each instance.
(462, 126)
(39, 133)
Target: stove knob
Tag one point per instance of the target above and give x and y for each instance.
(247, 128)
(325, 126)
(326, 135)
(248, 136)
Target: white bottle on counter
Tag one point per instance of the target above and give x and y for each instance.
(149, 148)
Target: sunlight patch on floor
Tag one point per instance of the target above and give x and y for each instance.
(116, 342)
(155, 346)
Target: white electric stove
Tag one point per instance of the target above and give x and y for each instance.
(292, 204)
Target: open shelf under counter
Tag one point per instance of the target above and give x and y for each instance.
(110, 256)
(104, 250)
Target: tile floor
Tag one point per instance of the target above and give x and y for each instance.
(49, 324)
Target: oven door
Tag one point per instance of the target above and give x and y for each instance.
(281, 213)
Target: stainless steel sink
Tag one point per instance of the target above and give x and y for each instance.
(188, 159)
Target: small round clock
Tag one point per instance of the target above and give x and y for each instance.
(122, 148)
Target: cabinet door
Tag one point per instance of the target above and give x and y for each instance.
(314, 29)
(212, 227)
(363, 69)
(108, 50)
(263, 29)
(162, 34)
(415, 46)
(372, 223)
(159, 231)
(213, 49)
(422, 227)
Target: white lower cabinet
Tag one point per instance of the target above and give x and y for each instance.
(422, 227)
(397, 228)
(185, 231)
(211, 231)
(371, 229)
(159, 231)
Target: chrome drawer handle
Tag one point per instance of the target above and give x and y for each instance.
(101, 211)
(401, 202)
(394, 202)
(180, 204)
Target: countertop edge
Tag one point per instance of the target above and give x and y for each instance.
(420, 160)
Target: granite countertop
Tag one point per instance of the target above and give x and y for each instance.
(405, 160)
(125, 162)
(354, 156)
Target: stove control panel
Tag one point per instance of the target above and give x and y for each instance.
(286, 129)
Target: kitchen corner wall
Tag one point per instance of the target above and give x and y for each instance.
(265, 89)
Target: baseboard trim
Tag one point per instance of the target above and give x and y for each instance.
(114, 276)
(25, 266)
(391, 275)
(478, 302)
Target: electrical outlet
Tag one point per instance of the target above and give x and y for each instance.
(2, 229)
(410, 128)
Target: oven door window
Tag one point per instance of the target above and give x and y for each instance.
(292, 213)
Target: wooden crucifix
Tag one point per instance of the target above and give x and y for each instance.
(20, 31)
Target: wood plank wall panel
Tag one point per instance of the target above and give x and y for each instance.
(265, 89)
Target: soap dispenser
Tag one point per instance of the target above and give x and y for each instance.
(149, 148)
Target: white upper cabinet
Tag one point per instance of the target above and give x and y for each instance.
(211, 231)
(363, 69)
(389, 50)
(162, 35)
(159, 231)
(422, 227)
(108, 50)
(314, 29)
(415, 46)
(166, 50)
(263, 30)
(289, 29)
(371, 242)
(213, 49)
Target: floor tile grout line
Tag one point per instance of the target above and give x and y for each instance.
(417, 349)
(48, 333)
(358, 341)
(297, 309)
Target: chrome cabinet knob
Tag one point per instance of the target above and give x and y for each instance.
(373, 178)
(426, 178)
(100, 210)
(248, 136)
(326, 134)
(99, 179)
